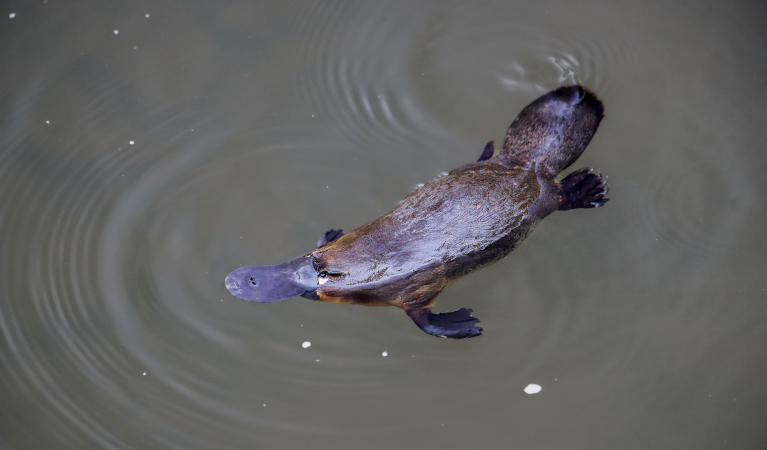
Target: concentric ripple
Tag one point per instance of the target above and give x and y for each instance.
(362, 86)
(501, 63)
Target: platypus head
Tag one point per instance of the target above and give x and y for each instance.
(266, 284)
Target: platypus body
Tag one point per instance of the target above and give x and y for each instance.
(456, 224)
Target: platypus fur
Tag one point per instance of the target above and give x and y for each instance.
(454, 225)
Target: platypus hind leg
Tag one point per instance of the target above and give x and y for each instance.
(455, 324)
(329, 236)
(487, 153)
(583, 189)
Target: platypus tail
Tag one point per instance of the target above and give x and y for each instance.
(552, 131)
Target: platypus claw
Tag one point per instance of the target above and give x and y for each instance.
(583, 189)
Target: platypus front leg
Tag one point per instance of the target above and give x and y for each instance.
(455, 324)
(330, 236)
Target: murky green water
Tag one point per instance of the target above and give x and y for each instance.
(147, 149)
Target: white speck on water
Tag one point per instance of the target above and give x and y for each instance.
(318, 360)
(533, 388)
(264, 405)
(116, 31)
(144, 374)
(131, 142)
(47, 121)
(312, 115)
(146, 15)
(135, 47)
(306, 344)
(12, 15)
(385, 353)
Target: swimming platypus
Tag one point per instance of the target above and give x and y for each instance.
(458, 223)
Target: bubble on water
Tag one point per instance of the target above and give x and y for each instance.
(533, 388)
(116, 31)
(12, 15)
(306, 344)
(146, 15)
(131, 142)
(385, 353)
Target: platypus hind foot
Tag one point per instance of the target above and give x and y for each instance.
(487, 153)
(583, 189)
(456, 324)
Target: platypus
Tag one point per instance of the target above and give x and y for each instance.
(454, 225)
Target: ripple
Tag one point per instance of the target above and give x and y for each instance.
(566, 60)
(469, 69)
(363, 87)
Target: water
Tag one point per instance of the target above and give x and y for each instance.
(138, 168)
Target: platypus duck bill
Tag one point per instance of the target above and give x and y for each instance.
(266, 284)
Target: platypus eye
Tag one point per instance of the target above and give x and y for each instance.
(325, 275)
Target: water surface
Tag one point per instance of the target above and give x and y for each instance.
(147, 149)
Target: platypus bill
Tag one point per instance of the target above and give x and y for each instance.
(456, 224)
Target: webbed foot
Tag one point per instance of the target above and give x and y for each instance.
(487, 153)
(583, 189)
(455, 324)
(329, 236)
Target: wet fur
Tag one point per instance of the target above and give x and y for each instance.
(466, 220)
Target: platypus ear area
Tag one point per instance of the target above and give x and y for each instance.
(487, 153)
(455, 324)
(329, 236)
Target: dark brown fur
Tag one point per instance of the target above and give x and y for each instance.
(456, 224)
